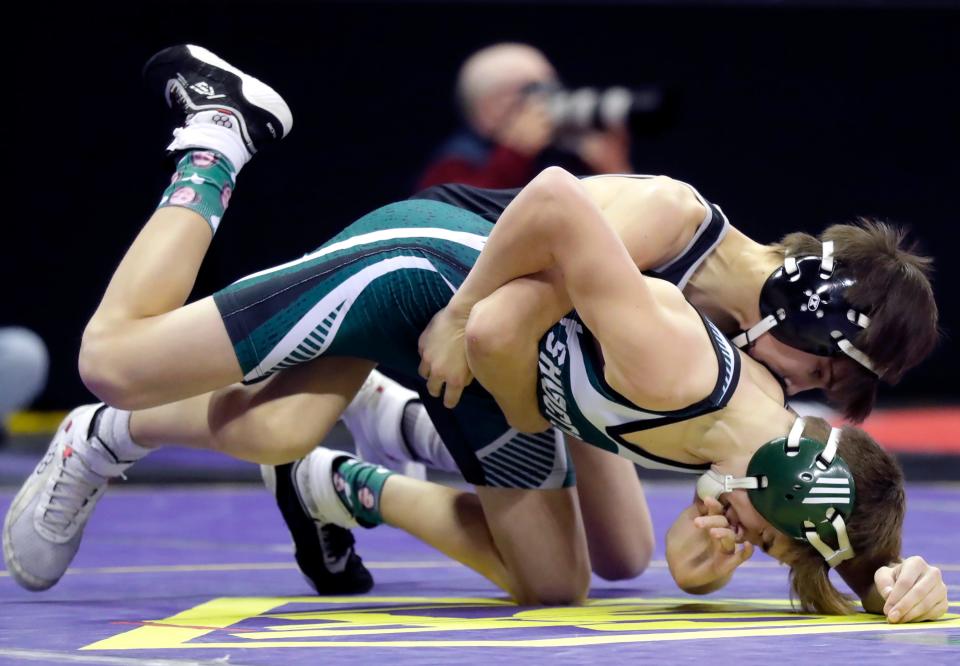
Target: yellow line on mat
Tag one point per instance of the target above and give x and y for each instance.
(34, 423)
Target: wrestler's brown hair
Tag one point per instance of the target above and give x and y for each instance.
(874, 528)
(893, 288)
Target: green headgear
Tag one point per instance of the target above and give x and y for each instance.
(801, 487)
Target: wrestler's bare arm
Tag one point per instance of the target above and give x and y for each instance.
(554, 224)
(655, 218)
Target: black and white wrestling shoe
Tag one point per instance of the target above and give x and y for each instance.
(324, 551)
(203, 88)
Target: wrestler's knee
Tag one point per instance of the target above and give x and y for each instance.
(556, 590)
(105, 372)
(558, 582)
(624, 563)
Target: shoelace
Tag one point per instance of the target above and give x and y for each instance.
(337, 542)
(180, 98)
(72, 494)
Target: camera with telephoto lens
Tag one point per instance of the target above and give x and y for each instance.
(589, 108)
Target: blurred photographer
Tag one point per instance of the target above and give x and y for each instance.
(519, 119)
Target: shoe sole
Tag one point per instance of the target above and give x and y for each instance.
(23, 578)
(267, 107)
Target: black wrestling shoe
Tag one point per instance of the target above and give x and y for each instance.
(324, 552)
(197, 82)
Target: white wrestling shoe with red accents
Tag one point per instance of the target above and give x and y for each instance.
(44, 524)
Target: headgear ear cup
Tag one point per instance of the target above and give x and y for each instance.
(802, 304)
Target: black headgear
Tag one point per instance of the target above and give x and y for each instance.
(803, 306)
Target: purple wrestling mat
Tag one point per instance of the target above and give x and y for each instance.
(204, 575)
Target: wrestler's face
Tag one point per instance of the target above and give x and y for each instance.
(799, 370)
(751, 526)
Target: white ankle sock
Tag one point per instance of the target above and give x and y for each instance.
(113, 441)
(422, 439)
(202, 132)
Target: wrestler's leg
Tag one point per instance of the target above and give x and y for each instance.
(530, 543)
(270, 423)
(522, 529)
(391, 428)
(615, 513)
(141, 347)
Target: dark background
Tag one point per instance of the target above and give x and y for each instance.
(790, 115)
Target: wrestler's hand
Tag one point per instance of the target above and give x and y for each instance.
(702, 548)
(443, 355)
(912, 590)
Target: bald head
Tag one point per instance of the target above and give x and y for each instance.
(497, 72)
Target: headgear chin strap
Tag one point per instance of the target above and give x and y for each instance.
(800, 486)
(802, 304)
(843, 552)
(713, 484)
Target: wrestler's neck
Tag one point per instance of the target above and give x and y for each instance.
(727, 286)
(754, 416)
